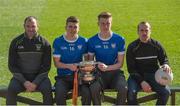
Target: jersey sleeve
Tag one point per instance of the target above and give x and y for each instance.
(90, 47)
(121, 48)
(86, 46)
(56, 49)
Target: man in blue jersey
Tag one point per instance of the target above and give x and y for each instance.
(69, 49)
(144, 55)
(108, 48)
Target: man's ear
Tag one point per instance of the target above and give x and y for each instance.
(98, 23)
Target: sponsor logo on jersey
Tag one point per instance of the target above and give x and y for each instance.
(63, 48)
(105, 43)
(71, 44)
(20, 47)
(97, 46)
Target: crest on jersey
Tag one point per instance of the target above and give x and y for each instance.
(113, 45)
(79, 47)
(38, 46)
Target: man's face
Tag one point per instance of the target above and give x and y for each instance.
(144, 32)
(31, 28)
(72, 28)
(105, 24)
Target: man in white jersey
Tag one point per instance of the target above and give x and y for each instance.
(108, 48)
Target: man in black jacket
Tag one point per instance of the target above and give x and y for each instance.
(143, 58)
(29, 63)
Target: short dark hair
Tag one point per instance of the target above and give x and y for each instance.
(30, 18)
(143, 23)
(104, 15)
(72, 19)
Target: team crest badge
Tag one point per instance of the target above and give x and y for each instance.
(113, 45)
(38, 46)
(79, 47)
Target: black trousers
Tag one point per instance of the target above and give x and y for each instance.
(163, 92)
(91, 92)
(116, 80)
(63, 85)
(16, 87)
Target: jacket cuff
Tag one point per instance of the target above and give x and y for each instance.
(40, 78)
(19, 77)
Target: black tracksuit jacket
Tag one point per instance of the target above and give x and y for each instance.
(144, 58)
(29, 59)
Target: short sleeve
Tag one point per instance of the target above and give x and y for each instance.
(90, 46)
(56, 49)
(121, 48)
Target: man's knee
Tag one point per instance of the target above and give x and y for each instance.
(45, 87)
(85, 91)
(95, 87)
(164, 92)
(122, 87)
(60, 91)
(15, 87)
(12, 89)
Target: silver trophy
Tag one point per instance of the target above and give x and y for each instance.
(87, 70)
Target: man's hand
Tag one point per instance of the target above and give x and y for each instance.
(146, 87)
(88, 68)
(72, 67)
(33, 87)
(30, 87)
(27, 85)
(102, 66)
(166, 68)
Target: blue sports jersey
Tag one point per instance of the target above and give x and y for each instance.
(69, 52)
(106, 50)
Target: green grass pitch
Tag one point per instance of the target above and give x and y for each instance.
(163, 15)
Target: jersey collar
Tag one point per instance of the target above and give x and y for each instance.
(103, 38)
(70, 41)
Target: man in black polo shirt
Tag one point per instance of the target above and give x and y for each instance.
(29, 63)
(143, 58)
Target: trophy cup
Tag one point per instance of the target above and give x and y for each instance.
(85, 75)
(87, 70)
